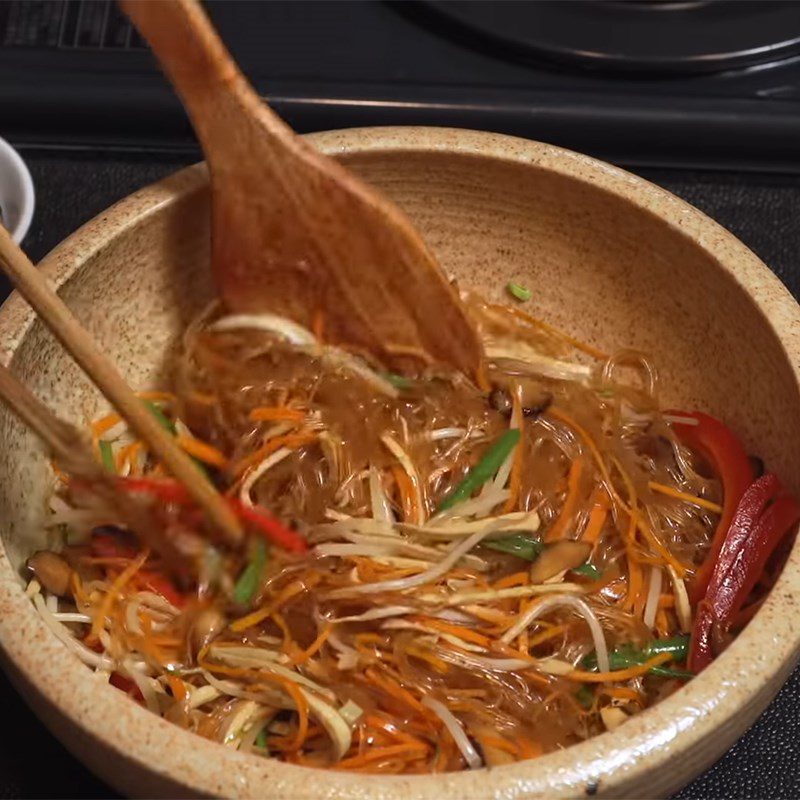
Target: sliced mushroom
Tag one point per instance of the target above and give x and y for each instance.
(208, 624)
(500, 400)
(559, 557)
(51, 571)
(534, 397)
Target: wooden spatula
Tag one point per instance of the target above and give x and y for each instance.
(293, 232)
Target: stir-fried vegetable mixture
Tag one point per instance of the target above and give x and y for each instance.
(437, 576)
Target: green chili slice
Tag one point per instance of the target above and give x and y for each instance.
(588, 570)
(629, 656)
(166, 423)
(518, 291)
(521, 545)
(107, 456)
(483, 470)
(247, 584)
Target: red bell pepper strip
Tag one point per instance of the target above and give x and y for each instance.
(750, 510)
(126, 685)
(173, 492)
(272, 530)
(163, 586)
(756, 532)
(728, 458)
(168, 490)
(109, 545)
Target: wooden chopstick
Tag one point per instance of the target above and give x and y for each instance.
(72, 449)
(59, 319)
(68, 445)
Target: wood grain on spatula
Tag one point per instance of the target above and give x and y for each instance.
(293, 232)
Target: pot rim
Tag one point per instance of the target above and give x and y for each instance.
(738, 684)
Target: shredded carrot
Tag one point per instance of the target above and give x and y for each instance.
(276, 413)
(558, 414)
(481, 379)
(157, 397)
(367, 638)
(461, 632)
(60, 474)
(515, 479)
(654, 542)
(77, 589)
(546, 326)
(666, 601)
(291, 441)
(562, 416)
(408, 497)
(203, 399)
(515, 579)
(378, 720)
(545, 636)
(178, 687)
(425, 655)
(127, 455)
(597, 518)
(243, 623)
(689, 498)
(105, 424)
(498, 743)
(635, 584)
(315, 645)
(663, 625)
(378, 753)
(202, 451)
(148, 643)
(528, 748)
(288, 642)
(395, 690)
(493, 615)
(116, 587)
(619, 674)
(558, 530)
(318, 325)
(622, 693)
(299, 699)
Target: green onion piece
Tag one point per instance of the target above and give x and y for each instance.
(107, 457)
(585, 696)
(677, 647)
(161, 417)
(261, 739)
(588, 570)
(483, 470)
(629, 656)
(668, 672)
(518, 291)
(247, 584)
(398, 381)
(521, 545)
(169, 426)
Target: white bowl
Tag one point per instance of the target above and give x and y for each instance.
(17, 197)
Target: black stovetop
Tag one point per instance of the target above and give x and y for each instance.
(667, 83)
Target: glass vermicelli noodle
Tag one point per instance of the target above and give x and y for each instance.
(436, 575)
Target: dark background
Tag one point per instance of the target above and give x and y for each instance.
(760, 209)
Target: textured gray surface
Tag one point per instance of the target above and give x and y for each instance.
(760, 210)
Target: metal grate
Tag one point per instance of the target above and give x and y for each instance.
(66, 25)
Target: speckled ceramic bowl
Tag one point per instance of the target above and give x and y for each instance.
(616, 260)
